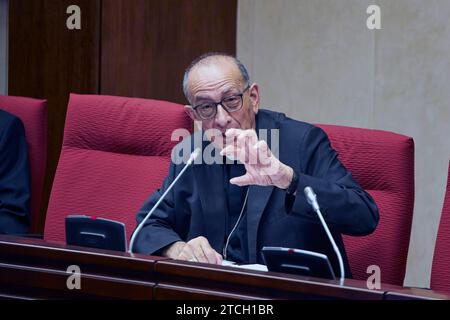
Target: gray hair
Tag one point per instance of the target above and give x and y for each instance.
(204, 58)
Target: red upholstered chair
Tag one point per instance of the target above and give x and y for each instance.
(441, 261)
(33, 113)
(116, 152)
(383, 164)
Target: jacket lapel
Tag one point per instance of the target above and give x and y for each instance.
(210, 184)
(258, 197)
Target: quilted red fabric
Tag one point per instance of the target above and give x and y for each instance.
(33, 113)
(383, 164)
(441, 261)
(116, 152)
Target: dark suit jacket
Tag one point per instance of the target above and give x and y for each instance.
(14, 176)
(196, 206)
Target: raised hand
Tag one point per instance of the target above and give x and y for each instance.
(263, 168)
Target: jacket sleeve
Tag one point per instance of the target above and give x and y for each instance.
(346, 207)
(158, 231)
(14, 180)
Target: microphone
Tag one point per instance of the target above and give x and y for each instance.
(312, 200)
(191, 159)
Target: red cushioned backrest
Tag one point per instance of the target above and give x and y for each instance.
(116, 152)
(33, 113)
(441, 260)
(383, 164)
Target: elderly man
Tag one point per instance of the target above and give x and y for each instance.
(14, 176)
(231, 210)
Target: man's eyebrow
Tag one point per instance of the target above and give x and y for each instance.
(230, 90)
(207, 97)
(202, 97)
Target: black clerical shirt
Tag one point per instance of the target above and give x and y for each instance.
(237, 249)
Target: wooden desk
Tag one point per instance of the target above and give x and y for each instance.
(33, 268)
(189, 280)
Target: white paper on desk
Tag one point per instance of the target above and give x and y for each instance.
(257, 267)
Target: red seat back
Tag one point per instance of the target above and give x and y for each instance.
(441, 261)
(33, 113)
(116, 152)
(383, 164)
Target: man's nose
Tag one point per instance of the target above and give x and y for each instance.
(222, 116)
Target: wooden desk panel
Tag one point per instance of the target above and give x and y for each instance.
(414, 294)
(177, 279)
(51, 283)
(35, 269)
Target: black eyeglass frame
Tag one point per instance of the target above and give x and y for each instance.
(216, 104)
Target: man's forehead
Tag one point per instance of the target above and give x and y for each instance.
(213, 79)
(215, 70)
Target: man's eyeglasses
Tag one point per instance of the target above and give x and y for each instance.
(232, 103)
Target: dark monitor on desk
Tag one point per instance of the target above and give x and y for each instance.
(296, 261)
(98, 233)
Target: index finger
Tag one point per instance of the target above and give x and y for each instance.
(233, 132)
(209, 252)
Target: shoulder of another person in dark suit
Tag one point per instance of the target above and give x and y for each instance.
(10, 125)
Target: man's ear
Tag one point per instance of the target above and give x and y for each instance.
(190, 112)
(254, 97)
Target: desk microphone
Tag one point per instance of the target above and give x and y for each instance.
(192, 158)
(312, 200)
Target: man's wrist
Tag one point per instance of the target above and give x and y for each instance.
(287, 174)
(292, 188)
